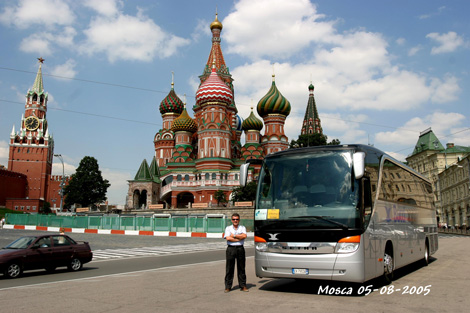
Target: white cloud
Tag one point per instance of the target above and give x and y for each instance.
(400, 41)
(65, 70)
(441, 123)
(447, 42)
(130, 38)
(201, 28)
(460, 136)
(345, 128)
(105, 7)
(445, 90)
(4, 153)
(429, 15)
(43, 12)
(399, 91)
(68, 168)
(358, 56)
(44, 43)
(354, 71)
(414, 50)
(36, 43)
(399, 156)
(274, 28)
(117, 192)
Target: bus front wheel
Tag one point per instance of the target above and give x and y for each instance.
(389, 266)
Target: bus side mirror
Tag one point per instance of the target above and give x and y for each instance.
(244, 174)
(358, 164)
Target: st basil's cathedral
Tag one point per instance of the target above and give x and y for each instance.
(196, 157)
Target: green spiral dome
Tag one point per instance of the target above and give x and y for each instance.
(273, 103)
(252, 123)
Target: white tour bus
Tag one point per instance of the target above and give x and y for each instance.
(344, 213)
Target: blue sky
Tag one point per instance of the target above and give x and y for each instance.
(383, 70)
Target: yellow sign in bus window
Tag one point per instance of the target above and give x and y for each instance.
(273, 214)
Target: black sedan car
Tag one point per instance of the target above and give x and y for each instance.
(47, 251)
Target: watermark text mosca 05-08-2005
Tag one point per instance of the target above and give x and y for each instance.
(366, 290)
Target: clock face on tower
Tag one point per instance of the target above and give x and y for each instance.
(31, 123)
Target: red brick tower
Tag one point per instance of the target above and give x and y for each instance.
(32, 148)
(215, 118)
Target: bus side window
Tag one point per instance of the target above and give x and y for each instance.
(266, 184)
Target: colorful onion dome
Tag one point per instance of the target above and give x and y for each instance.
(273, 103)
(216, 23)
(252, 123)
(184, 123)
(311, 87)
(213, 89)
(238, 123)
(172, 103)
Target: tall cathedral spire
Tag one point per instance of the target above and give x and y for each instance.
(312, 123)
(216, 54)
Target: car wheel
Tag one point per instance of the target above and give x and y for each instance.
(389, 266)
(13, 270)
(75, 264)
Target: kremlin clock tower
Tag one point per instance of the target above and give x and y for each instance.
(32, 149)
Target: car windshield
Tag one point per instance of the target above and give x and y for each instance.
(21, 243)
(309, 190)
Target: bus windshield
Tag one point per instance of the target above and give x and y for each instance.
(308, 190)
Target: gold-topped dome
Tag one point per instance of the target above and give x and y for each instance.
(216, 23)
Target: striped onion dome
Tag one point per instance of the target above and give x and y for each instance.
(213, 89)
(273, 103)
(252, 122)
(172, 103)
(238, 124)
(184, 123)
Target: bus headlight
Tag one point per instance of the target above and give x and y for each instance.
(261, 246)
(346, 247)
(348, 244)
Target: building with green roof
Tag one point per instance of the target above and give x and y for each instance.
(433, 160)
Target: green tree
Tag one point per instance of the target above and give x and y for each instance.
(46, 208)
(87, 186)
(334, 142)
(310, 140)
(219, 195)
(245, 193)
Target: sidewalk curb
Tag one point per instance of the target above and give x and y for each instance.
(120, 232)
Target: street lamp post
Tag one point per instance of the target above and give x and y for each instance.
(62, 183)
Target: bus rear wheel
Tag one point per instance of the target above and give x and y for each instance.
(389, 266)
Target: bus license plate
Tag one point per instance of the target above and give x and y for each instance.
(303, 271)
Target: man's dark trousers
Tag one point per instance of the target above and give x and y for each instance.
(235, 253)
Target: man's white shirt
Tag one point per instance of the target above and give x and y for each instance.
(231, 230)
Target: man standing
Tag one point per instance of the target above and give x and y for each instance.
(235, 235)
